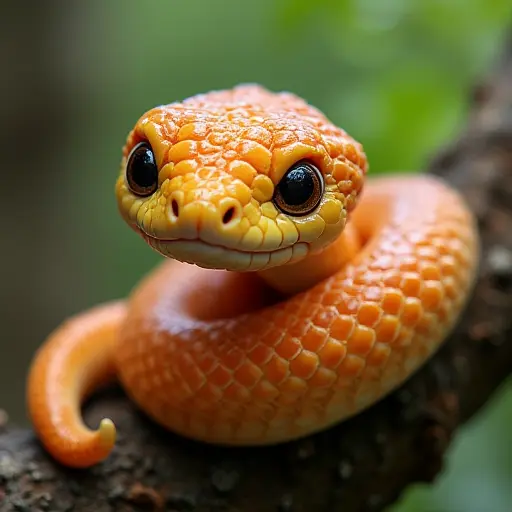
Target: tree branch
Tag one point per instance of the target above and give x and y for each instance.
(362, 464)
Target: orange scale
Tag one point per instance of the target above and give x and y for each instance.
(341, 171)
(293, 386)
(361, 341)
(325, 317)
(298, 329)
(323, 378)
(265, 391)
(409, 264)
(273, 337)
(411, 284)
(260, 354)
(257, 134)
(363, 278)
(304, 365)
(393, 302)
(233, 358)
(392, 278)
(284, 138)
(218, 138)
(450, 288)
(412, 312)
(255, 154)
(373, 293)
(288, 348)
(369, 314)
(430, 272)
(332, 354)
(331, 298)
(387, 329)
(403, 338)
(230, 154)
(426, 324)
(441, 245)
(205, 148)
(348, 306)
(314, 338)
(351, 366)
(193, 377)
(263, 324)
(378, 355)
(220, 377)
(427, 252)
(184, 150)
(432, 295)
(248, 374)
(342, 327)
(209, 393)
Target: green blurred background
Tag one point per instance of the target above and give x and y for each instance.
(396, 74)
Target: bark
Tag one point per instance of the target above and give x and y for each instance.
(360, 465)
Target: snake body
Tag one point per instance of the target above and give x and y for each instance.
(301, 309)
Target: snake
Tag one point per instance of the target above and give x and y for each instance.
(294, 291)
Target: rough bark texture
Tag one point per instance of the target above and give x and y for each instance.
(363, 464)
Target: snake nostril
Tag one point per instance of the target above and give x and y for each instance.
(175, 208)
(229, 215)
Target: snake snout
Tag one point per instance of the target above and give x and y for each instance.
(229, 212)
(214, 222)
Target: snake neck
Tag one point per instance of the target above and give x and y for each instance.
(314, 268)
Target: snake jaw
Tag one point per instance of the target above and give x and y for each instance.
(206, 255)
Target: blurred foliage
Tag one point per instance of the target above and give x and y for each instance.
(407, 65)
(396, 74)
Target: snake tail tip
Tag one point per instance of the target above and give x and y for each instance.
(107, 434)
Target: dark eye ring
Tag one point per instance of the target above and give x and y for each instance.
(300, 190)
(141, 170)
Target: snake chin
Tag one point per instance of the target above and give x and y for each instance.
(210, 256)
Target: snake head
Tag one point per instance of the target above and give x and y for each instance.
(243, 179)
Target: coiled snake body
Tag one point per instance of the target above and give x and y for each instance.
(301, 309)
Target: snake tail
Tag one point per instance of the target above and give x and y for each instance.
(76, 360)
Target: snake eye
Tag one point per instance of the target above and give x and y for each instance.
(300, 190)
(141, 170)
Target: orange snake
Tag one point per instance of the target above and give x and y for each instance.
(292, 319)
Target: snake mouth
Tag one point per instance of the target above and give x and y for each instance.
(212, 256)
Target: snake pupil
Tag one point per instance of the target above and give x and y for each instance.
(141, 170)
(300, 190)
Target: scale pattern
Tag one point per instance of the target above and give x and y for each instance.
(318, 357)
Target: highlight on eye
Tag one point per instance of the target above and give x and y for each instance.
(141, 170)
(300, 190)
